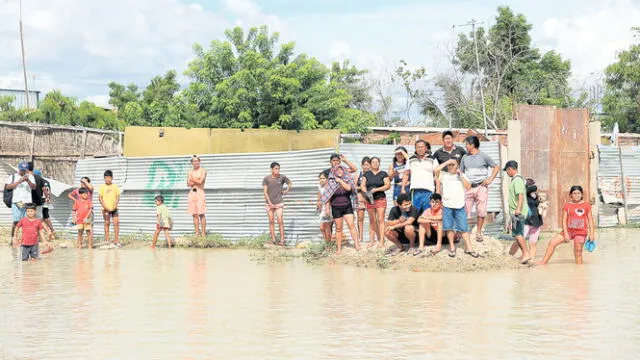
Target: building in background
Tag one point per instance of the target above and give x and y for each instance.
(19, 98)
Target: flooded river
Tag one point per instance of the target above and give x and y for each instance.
(197, 304)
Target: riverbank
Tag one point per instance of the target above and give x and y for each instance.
(493, 252)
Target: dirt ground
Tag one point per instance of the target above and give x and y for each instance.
(493, 253)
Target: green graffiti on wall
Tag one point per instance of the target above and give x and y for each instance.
(165, 178)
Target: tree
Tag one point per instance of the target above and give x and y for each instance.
(621, 101)
(247, 81)
(512, 71)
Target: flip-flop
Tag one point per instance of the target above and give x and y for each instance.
(434, 252)
(417, 252)
(473, 254)
(526, 261)
(452, 253)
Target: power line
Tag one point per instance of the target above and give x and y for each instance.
(473, 24)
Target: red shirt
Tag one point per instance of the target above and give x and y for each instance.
(83, 209)
(30, 229)
(578, 217)
(76, 194)
(433, 213)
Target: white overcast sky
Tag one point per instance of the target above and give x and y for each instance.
(78, 46)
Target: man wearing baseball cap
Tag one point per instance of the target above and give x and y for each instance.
(22, 184)
(518, 208)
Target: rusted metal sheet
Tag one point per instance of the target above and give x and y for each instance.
(555, 153)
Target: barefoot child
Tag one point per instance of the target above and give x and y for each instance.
(164, 221)
(84, 217)
(273, 190)
(430, 224)
(454, 216)
(31, 227)
(577, 225)
(109, 199)
(326, 222)
(85, 183)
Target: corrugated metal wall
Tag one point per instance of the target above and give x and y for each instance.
(20, 99)
(235, 204)
(355, 152)
(609, 184)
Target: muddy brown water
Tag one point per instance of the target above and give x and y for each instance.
(204, 304)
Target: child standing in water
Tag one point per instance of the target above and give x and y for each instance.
(326, 222)
(164, 221)
(31, 227)
(577, 225)
(109, 199)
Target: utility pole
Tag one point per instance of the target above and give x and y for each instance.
(24, 62)
(473, 24)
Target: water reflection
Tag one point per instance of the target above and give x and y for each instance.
(193, 304)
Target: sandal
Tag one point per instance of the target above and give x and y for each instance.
(527, 261)
(479, 237)
(473, 254)
(418, 252)
(452, 253)
(434, 252)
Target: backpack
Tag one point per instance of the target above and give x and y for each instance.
(7, 195)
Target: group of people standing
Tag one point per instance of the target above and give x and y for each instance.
(433, 193)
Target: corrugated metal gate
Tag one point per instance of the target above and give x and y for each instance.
(609, 184)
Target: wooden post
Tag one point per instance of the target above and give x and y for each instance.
(33, 143)
(84, 141)
(623, 185)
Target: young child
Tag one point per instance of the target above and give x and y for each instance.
(326, 222)
(577, 225)
(109, 199)
(453, 185)
(85, 183)
(430, 223)
(31, 227)
(84, 217)
(164, 221)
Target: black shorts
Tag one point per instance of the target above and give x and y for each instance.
(402, 237)
(45, 213)
(113, 213)
(338, 212)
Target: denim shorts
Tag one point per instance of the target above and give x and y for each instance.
(17, 212)
(454, 219)
(517, 226)
(30, 251)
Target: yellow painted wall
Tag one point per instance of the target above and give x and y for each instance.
(145, 141)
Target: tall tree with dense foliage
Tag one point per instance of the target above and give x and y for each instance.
(251, 81)
(512, 72)
(621, 102)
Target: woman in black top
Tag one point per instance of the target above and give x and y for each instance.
(376, 182)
